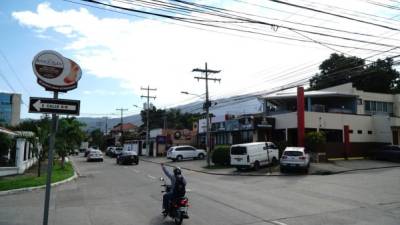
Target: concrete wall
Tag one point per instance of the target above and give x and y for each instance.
(6, 171)
(375, 128)
(286, 120)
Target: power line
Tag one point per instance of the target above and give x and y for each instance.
(333, 14)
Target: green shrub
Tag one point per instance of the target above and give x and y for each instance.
(221, 155)
(314, 139)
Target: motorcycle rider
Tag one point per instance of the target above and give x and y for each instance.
(177, 175)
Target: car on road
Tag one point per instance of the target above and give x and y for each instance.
(253, 155)
(95, 155)
(177, 153)
(389, 153)
(295, 158)
(128, 157)
(109, 151)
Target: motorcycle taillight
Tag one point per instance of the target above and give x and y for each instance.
(184, 202)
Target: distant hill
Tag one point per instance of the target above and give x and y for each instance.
(231, 105)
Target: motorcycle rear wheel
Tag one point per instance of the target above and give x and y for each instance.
(178, 218)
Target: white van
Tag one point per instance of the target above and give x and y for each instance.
(254, 155)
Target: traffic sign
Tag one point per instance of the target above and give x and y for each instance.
(57, 106)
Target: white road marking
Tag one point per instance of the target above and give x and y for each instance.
(188, 190)
(151, 177)
(136, 171)
(125, 167)
(278, 223)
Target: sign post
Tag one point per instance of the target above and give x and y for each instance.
(54, 119)
(58, 74)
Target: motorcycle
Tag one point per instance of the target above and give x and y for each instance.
(178, 208)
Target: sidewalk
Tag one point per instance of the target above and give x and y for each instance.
(333, 167)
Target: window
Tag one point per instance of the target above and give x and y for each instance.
(367, 106)
(293, 153)
(374, 106)
(370, 132)
(350, 131)
(239, 150)
(272, 146)
(359, 131)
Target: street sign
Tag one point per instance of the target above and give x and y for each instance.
(55, 72)
(57, 106)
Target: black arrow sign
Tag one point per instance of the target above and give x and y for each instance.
(57, 106)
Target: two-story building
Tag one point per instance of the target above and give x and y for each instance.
(372, 119)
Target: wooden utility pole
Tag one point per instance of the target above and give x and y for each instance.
(148, 89)
(207, 104)
(122, 116)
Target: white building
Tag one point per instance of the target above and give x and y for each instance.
(371, 117)
(23, 158)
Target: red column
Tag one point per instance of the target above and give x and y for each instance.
(346, 140)
(300, 116)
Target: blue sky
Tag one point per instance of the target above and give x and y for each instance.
(119, 54)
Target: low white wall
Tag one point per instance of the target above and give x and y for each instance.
(286, 120)
(5, 171)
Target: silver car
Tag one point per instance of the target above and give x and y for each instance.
(95, 155)
(295, 158)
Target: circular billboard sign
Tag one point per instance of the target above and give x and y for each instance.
(55, 72)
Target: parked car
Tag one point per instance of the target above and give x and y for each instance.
(87, 151)
(109, 151)
(128, 157)
(178, 153)
(253, 155)
(95, 155)
(117, 151)
(295, 158)
(389, 153)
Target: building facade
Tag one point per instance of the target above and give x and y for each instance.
(372, 119)
(10, 108)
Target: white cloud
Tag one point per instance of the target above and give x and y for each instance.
(142, 52)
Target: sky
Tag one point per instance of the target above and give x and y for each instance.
(119, 54)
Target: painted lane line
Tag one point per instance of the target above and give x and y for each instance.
(151, 177)
(278, 223)
(136, 171)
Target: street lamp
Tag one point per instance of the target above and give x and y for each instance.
(187, 93)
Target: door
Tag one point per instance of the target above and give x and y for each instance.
(395, 137)
(192, 151)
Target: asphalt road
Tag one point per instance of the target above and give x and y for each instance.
(106, 194)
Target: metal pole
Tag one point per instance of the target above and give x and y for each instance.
(147, 120)
(208, 121)
(50, 164)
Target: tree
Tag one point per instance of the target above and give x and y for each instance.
(97, 138)
(314, 139)
(5, 143)
(339, 69)
(175, 119)
(68, 137)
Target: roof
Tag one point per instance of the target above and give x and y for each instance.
(7, 131)
(285, 95)
(125, 126)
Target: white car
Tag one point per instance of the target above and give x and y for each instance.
(295, 158)
(253, 155)
(95, 155)
(178, 153)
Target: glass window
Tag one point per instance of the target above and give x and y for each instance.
(373, 106)
(379, 107)
(238, 150)
(367, 105)
(359, 131)
(293, 153)
(384, 106)
(390, 108)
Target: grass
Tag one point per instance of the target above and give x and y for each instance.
(31, 180)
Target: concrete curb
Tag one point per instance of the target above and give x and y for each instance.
(30, 189)
(319, 173)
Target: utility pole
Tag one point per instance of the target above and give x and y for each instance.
(122, 115)
(105, 132)
(148, 89)
(207, 104)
